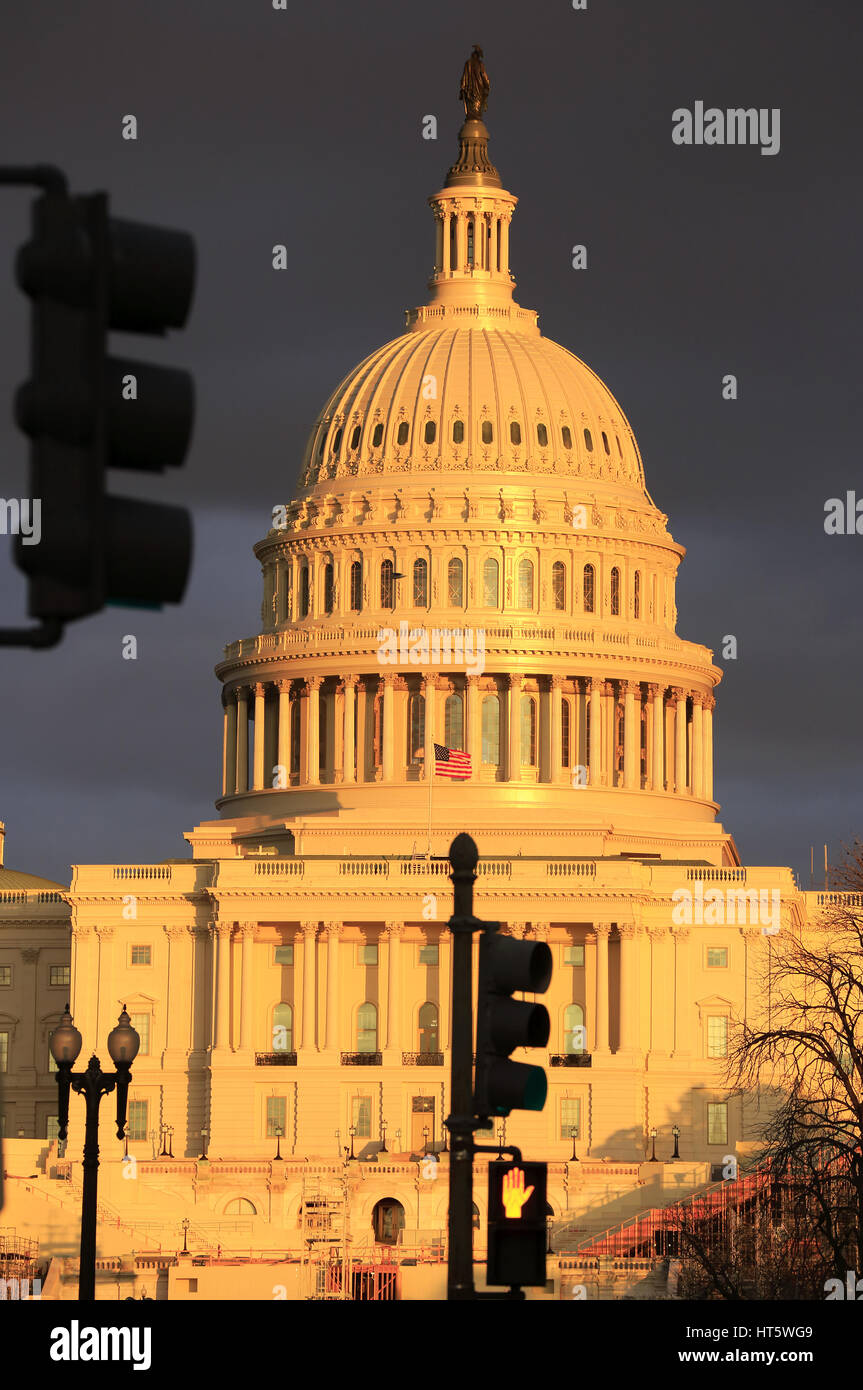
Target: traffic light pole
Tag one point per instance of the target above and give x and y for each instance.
(463, 856)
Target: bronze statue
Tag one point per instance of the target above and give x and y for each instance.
(474, 86)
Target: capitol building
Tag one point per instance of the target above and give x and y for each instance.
(473, 562)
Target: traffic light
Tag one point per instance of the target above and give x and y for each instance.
(86, 411)
(516, 1224)
(504, 1023)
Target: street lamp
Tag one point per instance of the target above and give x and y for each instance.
(653, 1134)
(163, 1152)
(93, 1084)
(170, 1141)
(573, 1133)
(548, 1249)
(675, 1130)
(186, 1223)
(383, 1148)
(279, 1133)
(339, 1142)
(205, 1134)
(398, 1141)
(425, 1138)
(443, 1148)
(352, 1132)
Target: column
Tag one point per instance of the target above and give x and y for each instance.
(388, 731)
(609, 752)
(361, 730)
(683, 947)
(445, 262)
(179, 985)
(513, 771)
(444, 989)
(229, 761)
(429, 692)
(333, 929)
(400, 728)
(247, 1005)
(707, 770)
(631, 734)
(258, 767)
(336, 756)
(350, 684)
(242, 739)
(461, 241)
(661, 970)
(393, 937)
(679, 739)
(308, 1023)
(222, 1003)
(595, 769)
(201, 938)
(313, 729)
(283, 755)
(555, 686)
(657, 780)
(602, 931)
(628, 990)
(474, 727)
(697, 746)
(504, 241)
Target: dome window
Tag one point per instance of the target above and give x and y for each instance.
(377, 436)
(453, 720)
(588, 441)
(636, 595)
(455, 582)
(615, 592)
(589, 588)
(491, 730)
(430, 432)
(388, 586)
(355, 437)
(458, 431)
(356, 586)
(304, 590)
(470, 241)
(542, 436)
(421, 584)
(491, 583)
(565, 730)
(416, 729)
(329, 587)
(487, 432)
(558, 585)
(567, 437)
(337, 439)
(322, 444)
(525, 584)
(402, 436)
(528, 731)
(619, 450)
(515, 432)
(605, 442)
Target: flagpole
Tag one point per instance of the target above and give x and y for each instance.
(430, 770)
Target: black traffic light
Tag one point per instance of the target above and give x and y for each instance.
(504, 1023)
(86, 411)
(517, 1231)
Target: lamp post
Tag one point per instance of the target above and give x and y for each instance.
(279, 1133)
(383, 1147)
(205, 1134)
(398, 1141)
(163, 1130)
(93, 1084)
(339, 1142)
(573, 1132)
(675, 1130)
(548, 1249)
(425, 1138)
(170, 1141)
(352, 1132)
(443, 1148)
(653, 1134)
(185, 1223)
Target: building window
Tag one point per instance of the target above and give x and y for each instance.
(558, 585)
(570, 1117)
(428, 1028)
(6, 975)
(588, 441)
(4, 1051)
(491, 730)
(277, 1114)
(59, 974)
(490, 582)
(52, 1128)
(429, 954)
(567, 437)
(542, 436)
(487, 432)
(605, 442)
(421, 583)
(416, 729)
(141, 1025)
(388, 587)
(283, 1028)
(238, 1206)
(717, 1123)
(355, 437)
(138, 1121)
(528, 731)
(525, 584)
(283, 955)
(430, 432)
(402, 434)
(454, 722)
(367, 955)
(573, 955)
(356, 586)
(337, 439)
(367, 1028)
(455, 582)
(141, 955)
(458, 431)
(636, 595)
(361, 1116)
(717, 1035)
(329, 587)
(470, 260)
(717, 957)
(615, 592)
(515, 432)
(573, 1029)
(377, 436)
(304, 590)
(565, 713)
(589, 588)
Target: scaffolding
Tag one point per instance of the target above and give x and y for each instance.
(325, 1234)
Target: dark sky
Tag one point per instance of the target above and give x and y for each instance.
(303, 126)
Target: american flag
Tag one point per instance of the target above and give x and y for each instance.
(450, 762)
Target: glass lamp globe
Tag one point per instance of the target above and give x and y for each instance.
(123, 1041)
(66, 1042)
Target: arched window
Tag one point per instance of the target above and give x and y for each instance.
(455, 582)
(416, 728)
(491, 730)
(615, 592)
(589, 588)
(542, 436)
(323, 444)
(367, 1028)
(487, 432)
(588, 440)
(525, 583)
(388, 587)
(474, 1216)
(567, 437)
(388, 1216)
(454, 722)
(377, 436)
(458, 431)
(605, 442)
(329, 586)
(573, 1029)
(304, 590)
(636, 595)
(428, 1028)
(490, 582)
(558, 585)
(241, 1206)
(430, 432)
(337, 439)
(283, 1028)
(470, 247)
(528, 731)
(402, 434)
(289, 592)
(565, 718)
(515, 432)
(355, 437)
(421, 583)
(356, 586)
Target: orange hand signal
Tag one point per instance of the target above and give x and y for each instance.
(514, 1194)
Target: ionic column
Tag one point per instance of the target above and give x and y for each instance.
(313, 730)
(229, 759)
(242, 739)
(258, 768)
(474, 727)
(504, 241)
(707, 770)
(629, 1010)
(657, 781)
(683, 946)
(609, 751)
(222, 1010)
(333, 929)
(461, 241)
(393, 937)
(429, 691)
(247, 1006)
(283, 755)
(555, 686)
(309, 987)
(388, 731)
(361, 730)
(679, 739)
(336, 755)
(513, 772)
(697, 746)
(602, 931)
(595, 716)
(631, 733)
(350, 684)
